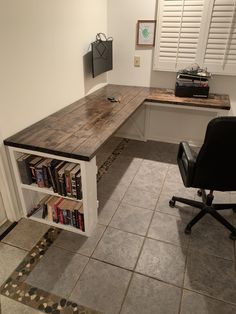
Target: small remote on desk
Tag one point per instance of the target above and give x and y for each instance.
(112, 99)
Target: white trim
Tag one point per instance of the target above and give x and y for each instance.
(130, 137)
(173, 141)
(175, 106)
(7, 188)
(137, 128)
(147, 121)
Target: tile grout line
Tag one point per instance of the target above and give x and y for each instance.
(210, 296)
(182, 289)
(89, 258)
(106, 227)
(141, 249)
(162, 281)
(132, 272)
(69, 294)
(187, 249)
(16, 247)
(185, 273)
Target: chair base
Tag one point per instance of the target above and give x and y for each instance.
(206, 207)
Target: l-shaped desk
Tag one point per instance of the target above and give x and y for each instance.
(76, 132)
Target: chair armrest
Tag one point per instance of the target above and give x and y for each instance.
(186, 161)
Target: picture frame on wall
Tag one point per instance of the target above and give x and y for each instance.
(146, 30)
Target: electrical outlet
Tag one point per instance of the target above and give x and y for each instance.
(137, 61)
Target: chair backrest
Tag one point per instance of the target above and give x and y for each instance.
(216, 161)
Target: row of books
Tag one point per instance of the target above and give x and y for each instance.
(60, 210)
(63, 177)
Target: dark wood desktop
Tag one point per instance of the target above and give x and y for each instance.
(80, 129)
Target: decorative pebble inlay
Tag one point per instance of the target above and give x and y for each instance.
(106, 165)
(17, 289)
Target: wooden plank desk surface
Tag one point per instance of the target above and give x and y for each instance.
(214, 101)
(79, 130)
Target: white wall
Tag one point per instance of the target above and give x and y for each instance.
(43, 65)
(2, 211)
(122, 19)
(42, 47)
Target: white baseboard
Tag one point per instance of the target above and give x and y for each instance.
(130, 137)
(174, 140)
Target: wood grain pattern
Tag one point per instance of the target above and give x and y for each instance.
(80, 129)
(168, 96)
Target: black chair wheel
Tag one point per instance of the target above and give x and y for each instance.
(172, 203)
(199, 193)
(233, 236)
(187, 231)
(234, 210)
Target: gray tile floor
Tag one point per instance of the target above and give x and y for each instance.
(139, 260)
(13, 248)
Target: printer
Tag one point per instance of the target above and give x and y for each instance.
(192, 82)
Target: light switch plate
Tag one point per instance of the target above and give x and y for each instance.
(137, 61)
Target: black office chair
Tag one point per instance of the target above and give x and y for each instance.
(213, 168)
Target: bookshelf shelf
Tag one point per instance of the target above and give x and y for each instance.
(29, 195)
(34, 187)
(53, 224)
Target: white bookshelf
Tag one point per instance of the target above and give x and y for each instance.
(30, 195)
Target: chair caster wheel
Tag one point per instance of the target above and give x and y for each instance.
(199, 193)
(172, 203)
(187, 231)
(233, 236)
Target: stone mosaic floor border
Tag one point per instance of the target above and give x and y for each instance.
(17, 289)
(106, 165)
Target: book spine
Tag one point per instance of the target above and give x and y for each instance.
(33, 173)
(58, 214)
(64, 213)
(52, 179)
(45, 211)
(78, 187)
(62, 185)
(24, 171)
(39, 177)
(54, 214)
(73, 223)
(55, 178)
(45, 177)
(61, 219)
(68, 183)
(57, 182)
(68, 217)
(77, 225)
(73, 187)
(49, 211)
(81, 221)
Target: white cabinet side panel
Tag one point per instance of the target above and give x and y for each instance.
(174, 124)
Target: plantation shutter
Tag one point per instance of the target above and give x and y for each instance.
(180, 32)
(220, 52)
